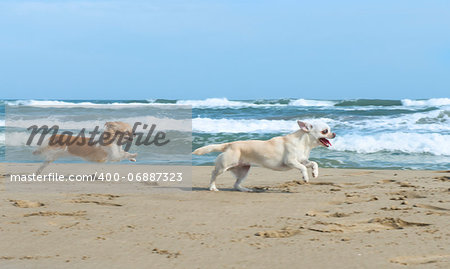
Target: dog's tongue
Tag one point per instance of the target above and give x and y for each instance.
(325, 142)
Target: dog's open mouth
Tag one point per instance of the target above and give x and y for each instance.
(325, 142)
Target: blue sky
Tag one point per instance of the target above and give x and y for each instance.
(235, 49)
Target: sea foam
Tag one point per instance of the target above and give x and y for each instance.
(428, 102)
(432, 143)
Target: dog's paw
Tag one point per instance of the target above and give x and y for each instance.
(306, 179)
(214, 188)
(132, 160)
(243, 189)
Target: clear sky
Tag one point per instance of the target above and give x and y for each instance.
(239, 49)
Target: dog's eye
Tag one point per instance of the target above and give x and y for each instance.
(325, 131)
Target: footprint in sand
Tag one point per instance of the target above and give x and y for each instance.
(314, 213)
(407, 194)
(26, 204)
(167, 253)
(406, 184)
(431, 207)
(414, 260)
(396, 223)
(443, 178)
(56, 213)
(393, 207)
(377, 224)
(102, 195)
(94, 202)
(339, 215)
(285, 232)
(384, 181)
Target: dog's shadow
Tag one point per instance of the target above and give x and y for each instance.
(254, 190)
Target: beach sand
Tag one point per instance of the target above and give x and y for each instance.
(343, 219)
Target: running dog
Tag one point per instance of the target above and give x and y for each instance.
(110, 149)
(280, 153)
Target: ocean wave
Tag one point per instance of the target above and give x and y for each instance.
(427, 102)
(305, 102)
(226, 103)
(363, 103)
(369, 102)
(432, 143)
(215, 103)
(164, 124)
(431, 121)
(16, 139)
(207, 125)
(71, 104)
(49, 103)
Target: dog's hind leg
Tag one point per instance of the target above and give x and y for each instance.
(50, 156)
(224, 161)
(240, 172)
(43, 165)
(215, 173)
(218, 169)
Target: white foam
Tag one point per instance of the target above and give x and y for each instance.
(220, 103)
(432, 121)
(163, 124)
(304, 102)
(428, 102)
(225, 103)
(63, 104)
(435, 121)
(214, 102)
(15, 139)
(46, 103)
(2, 123)
(207, 125)
(433, 143)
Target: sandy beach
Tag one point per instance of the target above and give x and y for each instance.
(343, 219)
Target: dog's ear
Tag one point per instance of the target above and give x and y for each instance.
(306, 127)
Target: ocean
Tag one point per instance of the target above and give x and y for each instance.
(379, 134)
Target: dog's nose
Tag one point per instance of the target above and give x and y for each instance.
(334, 135)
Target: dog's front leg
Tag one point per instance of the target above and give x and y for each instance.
(294, 163)
(314, 166)
(129, 156)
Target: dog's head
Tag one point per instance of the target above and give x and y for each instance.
(120, 128)
(319, 131)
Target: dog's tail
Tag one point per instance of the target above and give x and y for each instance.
(210, 148)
